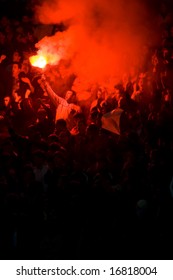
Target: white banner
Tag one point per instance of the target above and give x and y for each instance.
(111, 121)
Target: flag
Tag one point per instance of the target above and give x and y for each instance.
(111, 121)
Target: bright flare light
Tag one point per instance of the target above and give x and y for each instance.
(38, 61)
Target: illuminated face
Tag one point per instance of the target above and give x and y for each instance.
(15, 70)
(68, 95)
(99, 94)
(16, 57)
(117, 94)
(25, 67)
(6, 101)
(62, 71)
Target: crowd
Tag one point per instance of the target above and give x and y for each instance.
(70, 189)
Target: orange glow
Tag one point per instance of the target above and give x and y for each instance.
(49, 52)
(103, 40)
(38, 61)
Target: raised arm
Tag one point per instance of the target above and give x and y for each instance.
(56, 99)
(27, 81)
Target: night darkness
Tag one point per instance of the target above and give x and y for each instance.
(86, 135)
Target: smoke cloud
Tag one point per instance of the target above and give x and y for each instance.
(104, 38)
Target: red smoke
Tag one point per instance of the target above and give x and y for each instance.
(103, 41)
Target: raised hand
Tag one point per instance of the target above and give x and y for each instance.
(25, 80)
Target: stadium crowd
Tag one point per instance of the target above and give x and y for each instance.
(70, 189)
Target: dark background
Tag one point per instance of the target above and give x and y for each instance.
(16, 8)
